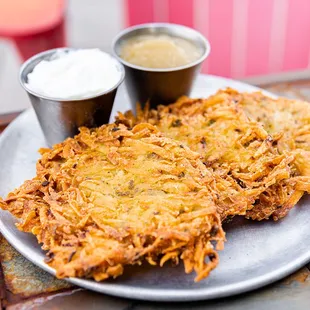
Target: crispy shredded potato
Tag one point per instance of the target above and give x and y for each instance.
(156, 187)
(261, 181)
(117, 196)
(289, 118)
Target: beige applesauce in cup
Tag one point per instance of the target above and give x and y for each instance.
(159, 51)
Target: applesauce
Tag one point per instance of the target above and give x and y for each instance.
(159, 51)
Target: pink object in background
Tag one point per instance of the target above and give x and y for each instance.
(33, 25)
(248, 37)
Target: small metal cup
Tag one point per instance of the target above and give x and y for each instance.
(160, 86)
(61, 118)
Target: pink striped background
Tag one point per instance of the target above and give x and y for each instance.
(248, 37)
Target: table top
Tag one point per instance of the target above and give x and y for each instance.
(25, 286)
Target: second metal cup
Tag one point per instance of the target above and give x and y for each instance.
(160, 86)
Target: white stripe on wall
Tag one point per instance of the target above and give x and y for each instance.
(239, 38)
(278, 34)
(94, 23)
(201, 20)
(161, 10)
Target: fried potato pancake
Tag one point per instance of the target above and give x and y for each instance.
(261, 182)
(289, 118)
(117, 196)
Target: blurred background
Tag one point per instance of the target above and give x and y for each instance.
(249, 38)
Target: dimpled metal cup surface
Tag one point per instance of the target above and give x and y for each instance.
(164, 85)
(59, 118)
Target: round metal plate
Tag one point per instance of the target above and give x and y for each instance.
(256, 253)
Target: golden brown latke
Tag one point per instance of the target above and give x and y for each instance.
(260, 181)
(290, 118)
(116, 196)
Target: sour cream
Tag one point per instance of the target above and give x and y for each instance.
(76, 74)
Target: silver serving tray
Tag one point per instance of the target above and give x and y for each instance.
(256, 253)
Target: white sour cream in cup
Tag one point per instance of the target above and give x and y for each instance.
(75, 74)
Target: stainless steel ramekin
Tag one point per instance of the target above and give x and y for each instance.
(60, 118)
(160, 86)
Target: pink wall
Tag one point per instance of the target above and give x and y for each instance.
(248, 37)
